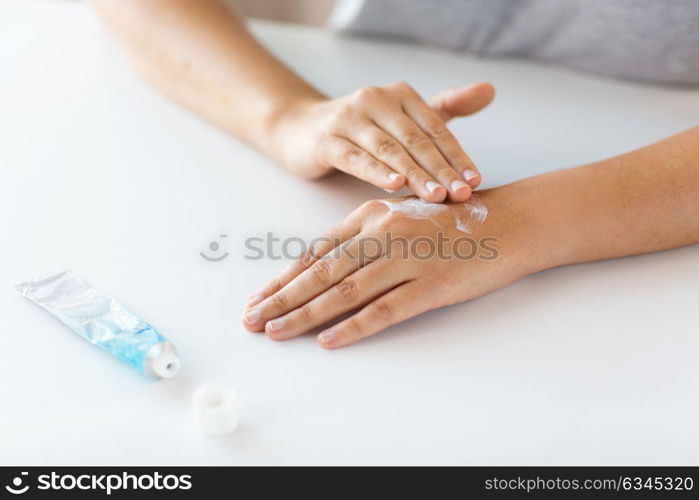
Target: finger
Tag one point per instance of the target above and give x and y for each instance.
(356, 290)
(344, 155)
(462, 101)
(421, 147)
(445, 142)
(347, 229)
(321, 276)
(391, 152)
(399, 304)
(424, 151)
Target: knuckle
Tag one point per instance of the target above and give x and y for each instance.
(365, 94)
(403, 86)
(388, 223)
(307, 259)
(436, 129)
(383, 311)
(391, 219)
(351, 156)
(321, 272)
(353, 325)
(374, 168)
(342, 115)
(344, 111)
(441, 106)
(305, 313)
(279, 301)
(347, 290)
(457, 159)
(415, 139)
(413, 172)
(388, 147)
(275, 284)
(443, 172)
(372, 205)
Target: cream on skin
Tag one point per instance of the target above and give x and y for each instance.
(643, 201)
(465, 215)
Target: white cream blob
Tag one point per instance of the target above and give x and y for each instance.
(415, 207)
(465, 215)
(474, 212)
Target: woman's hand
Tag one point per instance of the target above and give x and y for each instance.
(203, 57)
(391, 260)
(388, 136)
(537, 223)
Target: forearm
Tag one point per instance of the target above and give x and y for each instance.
(202, 56)
(639, 202)
(643, 201)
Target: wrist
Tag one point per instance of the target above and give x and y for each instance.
(295, 134)
(556, 228)
(284, 115)
(535, 223)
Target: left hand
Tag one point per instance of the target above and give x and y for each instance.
(384, 286)
(387, 136)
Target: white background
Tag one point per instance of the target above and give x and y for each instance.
(589, 364)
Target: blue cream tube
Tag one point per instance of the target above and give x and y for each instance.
(104, 322)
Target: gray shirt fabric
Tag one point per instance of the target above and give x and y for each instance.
(654, 40)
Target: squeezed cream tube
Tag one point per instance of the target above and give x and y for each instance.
(104, 322)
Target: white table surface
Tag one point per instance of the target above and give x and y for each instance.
(589, 364)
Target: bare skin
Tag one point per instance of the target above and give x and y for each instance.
(201, 55)
(643, 201)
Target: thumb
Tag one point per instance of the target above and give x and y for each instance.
(462, 101)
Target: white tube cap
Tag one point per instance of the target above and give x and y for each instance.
(162, 361)
(166, 365)
(215, 409)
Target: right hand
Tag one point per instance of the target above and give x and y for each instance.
(388, 136)
(385, 266)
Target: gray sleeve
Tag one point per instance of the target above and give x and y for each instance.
(458, 24)
(642, 39)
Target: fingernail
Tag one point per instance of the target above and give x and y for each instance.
(276, 324)
(456, 185)
(327, 336)
(254, 300)
(469, 174)
(253, 316)
(393, 176)
(432, 186)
